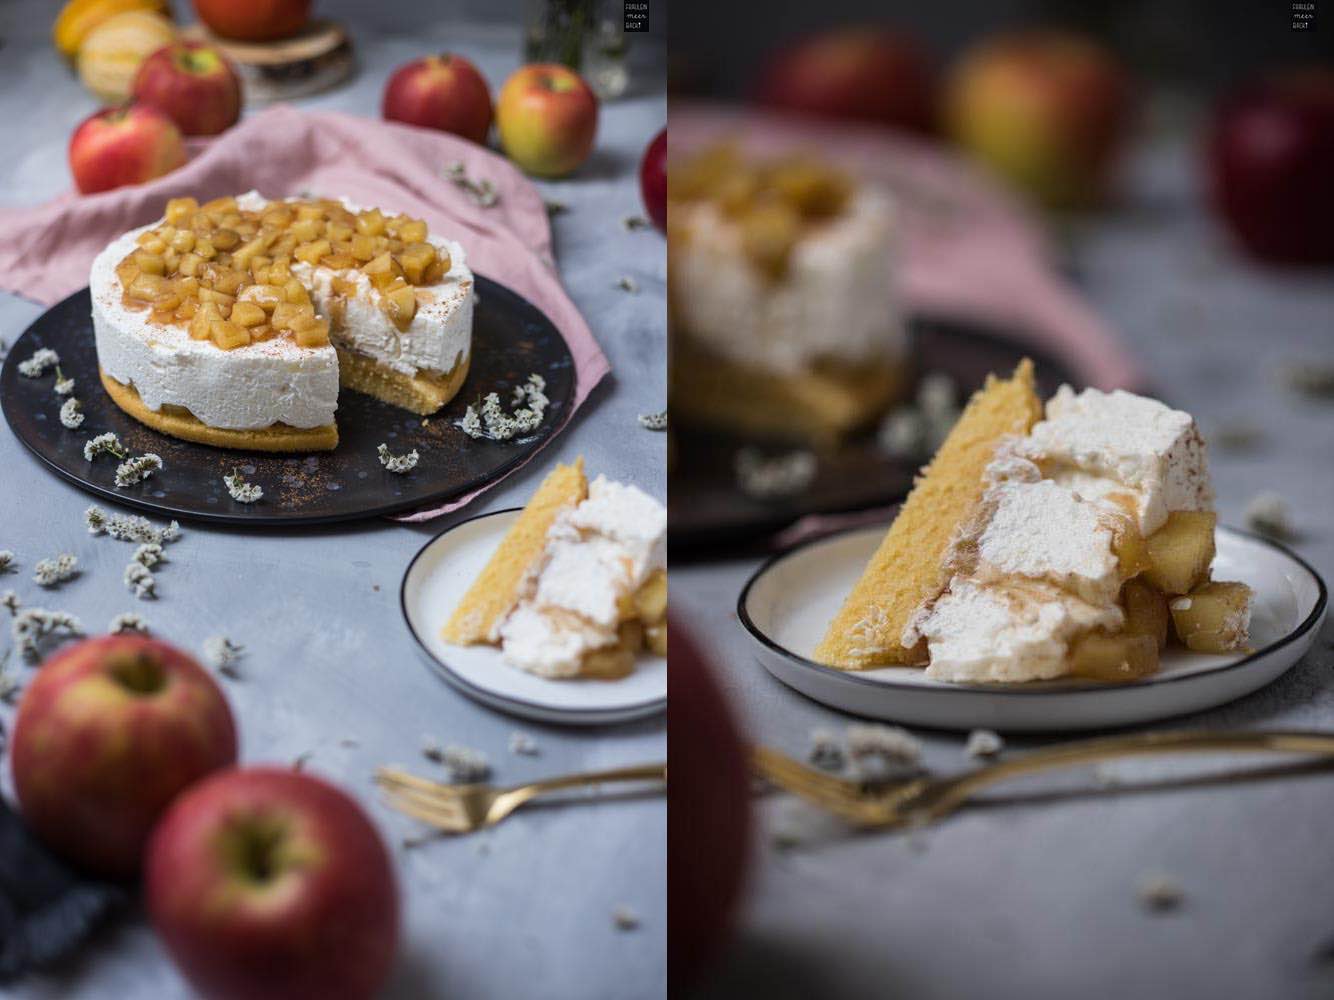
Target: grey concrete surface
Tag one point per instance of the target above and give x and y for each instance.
(524, 910)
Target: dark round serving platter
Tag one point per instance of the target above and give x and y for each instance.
(511, 339)
(710, 513)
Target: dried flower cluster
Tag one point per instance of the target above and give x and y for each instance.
(653, 421)
(41, 361)
(33, 625)
(141, 582)
(136, 470)
(64, 385)
(53, 572)
(627, 284)
(6, 561)
(128, 621)
(465, 765)
(983, 743)
(149, 554)
(481, 192)
(397, 463)
(918, 429)
(782, 475)
(524, 745)
(104, 444)
(240, 490)
(222, 655)
(129, 528)
(71, 413)
(528, 404)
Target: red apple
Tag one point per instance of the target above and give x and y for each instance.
(446, 92)
(548, 117)
(269, 883)
(254, 20)
(863, 73)
(1046, 110)
(653, 180)
(127, 145)
(193, 84)
(1271, 166)
(108, 732)
(708, 814)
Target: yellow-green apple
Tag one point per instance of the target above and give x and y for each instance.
(653, 180)
(108, 733)
(193, 84)
(861, 73)
(269, 883)
(1270, 158)
(126, 145)
(1046, 110)
(445, 92)
(547, 117)
(254, 20)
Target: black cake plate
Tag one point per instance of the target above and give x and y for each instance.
(710, 514)
(511, 339)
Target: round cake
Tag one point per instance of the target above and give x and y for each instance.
(235, 323)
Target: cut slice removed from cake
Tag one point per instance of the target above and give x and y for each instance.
(496, 590)
(907, 569)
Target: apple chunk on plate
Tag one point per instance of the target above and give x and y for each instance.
(1146, 611)
(1181, 551)
(1213, 619)
(1101, 657)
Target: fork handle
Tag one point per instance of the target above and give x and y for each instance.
(638, 772)
(949, 794)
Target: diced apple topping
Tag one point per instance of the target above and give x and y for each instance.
(221, 271)
(615, 661)
(1214, 618)
(1146, 611)
(651, 598)
(1181, 551)
(1124, 657)
(655, 638)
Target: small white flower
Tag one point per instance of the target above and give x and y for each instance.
(397, 463)
(104, 444)
(523, 744)
(222, 655)
(1268, 514)
(6, 561)
(1160, 893)
(983, 743)
(71, 413)
(37, 365)
(64, 386)
(243, 492)
(148, 555)
(128, 621)
(494, 423)
(782, 475)
(653, 421)
(10, 600)
(29, 627)
(53, 572)
(883, 753)
(136, 470)
(625, 919)
(826, 750)
(129, 528)
(482, 193)
(140, 581)
(465, 765)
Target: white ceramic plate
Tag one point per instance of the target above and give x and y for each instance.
(788, 602)
(433, 585)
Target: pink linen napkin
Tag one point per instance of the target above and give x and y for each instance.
(969, 250)
(45, 252)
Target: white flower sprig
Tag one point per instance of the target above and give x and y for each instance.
(136, 470)
(140, 581)
(781, 475)
(71, 413)
(104, 444)
(242, 491)
(6, 561)
(465, 765)
(37, 365)
(128, 621)
(129, 528)
(482, 192)
(653, 421)
(30, 627)
(494, 423)
(397, 463)
(9, 684)
(10, 600)
(222, 655)
(53, 572)
(148, 555)
(64, 386)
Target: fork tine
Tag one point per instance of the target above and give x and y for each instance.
(441, 795)
(450, 820)
(389, 776)
(800, 780)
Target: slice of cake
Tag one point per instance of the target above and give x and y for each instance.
(908, 568)
(785, 322)
(1075, 534)
(578, 586)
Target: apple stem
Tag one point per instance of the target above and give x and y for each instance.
(139, 674)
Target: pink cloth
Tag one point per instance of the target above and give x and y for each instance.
(45, 252)
(970, 250)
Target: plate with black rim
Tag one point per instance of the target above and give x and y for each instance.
(709, 510)
(788, 602)
(511, 340)
(434, 583)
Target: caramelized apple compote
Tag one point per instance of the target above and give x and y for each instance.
(225, 273)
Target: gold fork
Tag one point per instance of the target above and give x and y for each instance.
(465, 808)
(917, 801)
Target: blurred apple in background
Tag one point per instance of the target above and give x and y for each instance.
(653, 180)
(708, 815)
(862, 73)
(446, 92)
(193, 84)
(107, 734)
(112, 51)
(119, 146)
(254, 20)
(269, 883)
(1046, 110)
(1270, 159)
(547, 117)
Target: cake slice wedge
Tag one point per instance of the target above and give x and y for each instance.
(907, 569)
(495, 592)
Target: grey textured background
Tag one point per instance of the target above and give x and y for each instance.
(1040, 900)
(524, 910)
